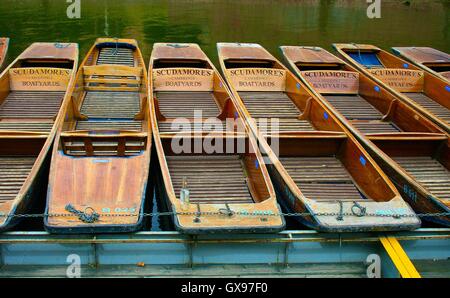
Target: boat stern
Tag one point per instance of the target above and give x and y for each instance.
(96, 194)
(360, 216)
(261, 217)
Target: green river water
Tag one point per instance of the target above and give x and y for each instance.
(270, 23)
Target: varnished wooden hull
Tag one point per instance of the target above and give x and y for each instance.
(430, 95)
(224, 185)
(99, 175)
(418, 130)
(28, 126)
(4, 44)
(310, 160)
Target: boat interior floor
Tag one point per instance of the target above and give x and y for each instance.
(430, 105)
(365, 117)
(182, 107)
(14, 170)
(110, 110)
(30, 110)
(429, 172)
(210, 179)
(119, 56)
(266, 105)
(324, 178)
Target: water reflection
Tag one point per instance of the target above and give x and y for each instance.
(271, 23)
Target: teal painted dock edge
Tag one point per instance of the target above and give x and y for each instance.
(288, 253)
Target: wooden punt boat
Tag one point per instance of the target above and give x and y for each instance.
(32, 91)
(229, 186)
(428, 59)
(101, 157)
(425, 92)
(320, 169)
(409, 147)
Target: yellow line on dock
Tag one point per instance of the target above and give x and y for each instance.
(399, 257)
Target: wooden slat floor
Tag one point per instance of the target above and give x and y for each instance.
(26, 126)
(111, 104)
(429, 104)
(31, 104)
(183, 126)
(184, 104)
(361, 114)
(14, 171)
(428, 172)
(120, 56)
(265, 105)
(322, 178)
(210, 179)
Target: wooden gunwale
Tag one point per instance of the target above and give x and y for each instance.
(32, 138)
(108, 153)
(281, 176)
(434, 88)
(411, 176)
(4, 45)
(231, 188)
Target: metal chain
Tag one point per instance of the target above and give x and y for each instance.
(202, 213)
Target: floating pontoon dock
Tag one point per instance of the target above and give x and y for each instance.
(420, 253)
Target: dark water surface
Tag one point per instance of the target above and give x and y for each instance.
(270, 23)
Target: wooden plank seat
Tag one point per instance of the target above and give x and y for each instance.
(210, 179)
(184, 104)
(361, 113)
(109, 125)
(107, 77)
(428, 172)
(31, 104)
(120, 56)
(111, 104)
(14, 170)
(429, 104)
(103, 143)
(274, 105)
(26, 126)
(322, 178)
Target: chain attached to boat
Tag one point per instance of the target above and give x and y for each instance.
(226, 212)
(84, 216)
(340, 216)
(197, 214)
(361, 212)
